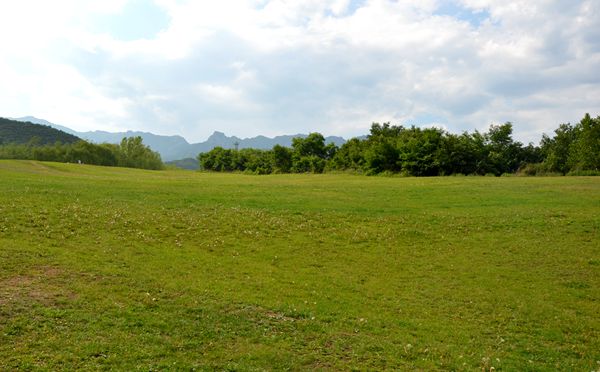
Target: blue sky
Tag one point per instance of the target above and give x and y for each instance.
(281, 67)
(455, 9)
(137, 19)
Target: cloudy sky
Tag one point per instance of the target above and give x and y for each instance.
(281, 67)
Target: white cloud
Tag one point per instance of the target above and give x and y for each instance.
(281, 66)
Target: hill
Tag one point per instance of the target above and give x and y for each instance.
(19, 132)
(34, 120)
(176, 147)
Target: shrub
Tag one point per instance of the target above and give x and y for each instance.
(578, 172)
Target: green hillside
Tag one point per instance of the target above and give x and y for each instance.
(123, 269)
(18, 132)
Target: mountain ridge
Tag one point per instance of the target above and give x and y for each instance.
(19, 132)
(177, 147)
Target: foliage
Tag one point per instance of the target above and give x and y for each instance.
(349, 156)
(388, 149)
(282, 159)
(130, 153)
(573, 147)
(308, 155)
(391, 149)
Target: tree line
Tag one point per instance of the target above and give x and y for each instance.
(131, 152)
(413, 151)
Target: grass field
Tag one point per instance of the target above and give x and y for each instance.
(171, 270)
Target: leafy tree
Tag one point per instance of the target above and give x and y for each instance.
(254, 160)
(133, 153)
(313, 145)
(418, 151)
(218, 159)
(310, 154)
(503, 154)
(460, 154)
(381, 156)
(381, 151)
(330, 150)
(89, 153)
(385, 131)
(584, 152)
(556, 149)
(530, 154)
(282, 159)
(349, 156)
(573, 147)
(309, 164)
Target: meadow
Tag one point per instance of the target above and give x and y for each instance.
(112, 268)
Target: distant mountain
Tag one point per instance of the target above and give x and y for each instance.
(35, 120)
(16, 131)
(176, 147)
(169, 147)
(259, 142)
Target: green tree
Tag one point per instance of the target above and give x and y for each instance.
(282, 159)
(556, 149)
(312, 145)
(503, 153)
(133, 153)
(218, 159)
(381, 156)
(419, 151)
(381, 150)
(254, 161)
(349, 156)
(584, 152)
(309, 154)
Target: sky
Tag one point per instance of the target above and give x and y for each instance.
(272, 67)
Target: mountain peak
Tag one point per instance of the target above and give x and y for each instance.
(34, 120)
(217, 134)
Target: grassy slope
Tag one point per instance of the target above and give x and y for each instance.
(116, 268)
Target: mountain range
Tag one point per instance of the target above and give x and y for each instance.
(176, 147)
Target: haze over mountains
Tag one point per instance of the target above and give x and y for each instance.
(176, 147)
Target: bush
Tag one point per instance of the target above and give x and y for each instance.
(584, 173)
(530, 169)
(536, 169)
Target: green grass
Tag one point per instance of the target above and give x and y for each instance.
(108, 268)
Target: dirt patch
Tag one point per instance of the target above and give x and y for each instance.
(278, 316)
(42, 285)
(262, 315)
